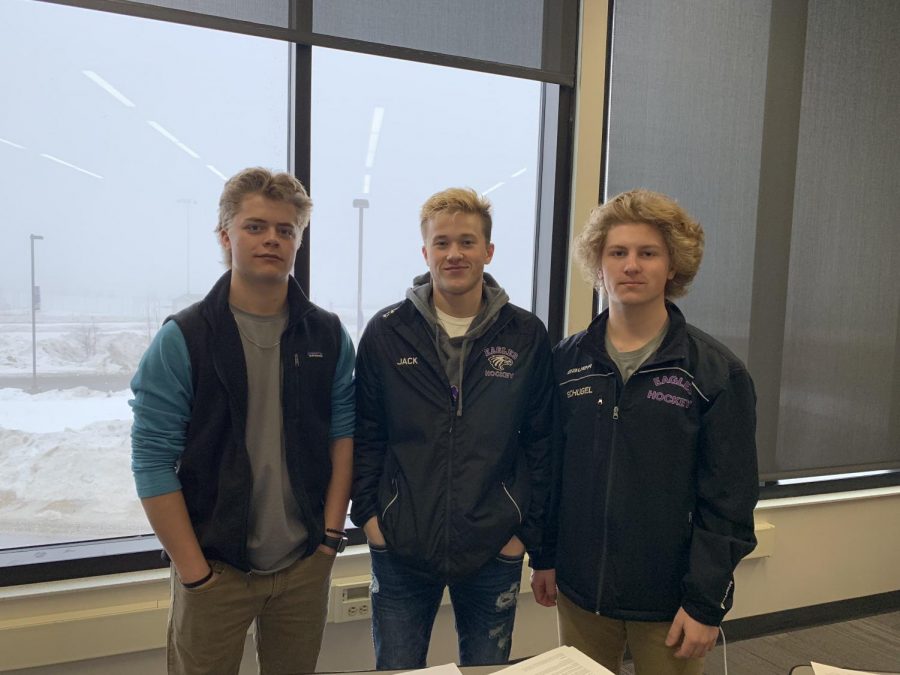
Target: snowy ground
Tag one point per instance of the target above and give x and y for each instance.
(65, 467)
(73, 347)
(65, 470)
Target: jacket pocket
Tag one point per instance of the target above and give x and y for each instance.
(513, 501)
(392, 502)
(217, 570)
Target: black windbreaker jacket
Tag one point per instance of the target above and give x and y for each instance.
(450, 490)
(658, 476)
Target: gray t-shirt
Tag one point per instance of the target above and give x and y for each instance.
(276, 534)
(629, 362)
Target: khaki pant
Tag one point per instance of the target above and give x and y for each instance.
(604, 640)
(208, 625)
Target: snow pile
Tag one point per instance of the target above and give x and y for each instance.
(65, 467)
(60, 410)
(98, 348)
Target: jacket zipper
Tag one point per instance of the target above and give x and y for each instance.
(494, 330)
(604, 554)
(609, 477)
(300, 494)
(449, 483)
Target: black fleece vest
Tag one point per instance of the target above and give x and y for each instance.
(215, 469)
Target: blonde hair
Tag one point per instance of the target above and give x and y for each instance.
(683, 235)
(457, 200)
(279, 187)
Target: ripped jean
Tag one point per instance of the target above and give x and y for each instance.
(405, 602)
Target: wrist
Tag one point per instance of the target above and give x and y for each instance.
(199, 582)
(338, 544)
(193, 569)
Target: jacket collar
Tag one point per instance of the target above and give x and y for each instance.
(226, 341)
(405, 319)
(215, 304)
(673, 348)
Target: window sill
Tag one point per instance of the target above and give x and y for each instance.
(826, 498)
(75, 560)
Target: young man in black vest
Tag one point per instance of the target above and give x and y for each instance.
(454, 402)
(242, 445)
(658, 472)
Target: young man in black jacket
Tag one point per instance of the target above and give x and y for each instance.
(452, 445)
(657, 474)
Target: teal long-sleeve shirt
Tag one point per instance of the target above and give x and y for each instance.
(163, 398)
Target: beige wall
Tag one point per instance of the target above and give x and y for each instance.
(819, 550)
(825, 548)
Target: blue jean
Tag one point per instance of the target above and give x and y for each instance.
(405, 601)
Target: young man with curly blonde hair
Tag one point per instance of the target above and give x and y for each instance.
(658, 477)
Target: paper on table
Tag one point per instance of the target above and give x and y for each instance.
(557, 661)
(822, 669)
(446, 669)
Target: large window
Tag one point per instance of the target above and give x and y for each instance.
(116, 135)
(775, 123)
(386, 134)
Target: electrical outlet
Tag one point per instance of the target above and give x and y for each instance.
(350, 599)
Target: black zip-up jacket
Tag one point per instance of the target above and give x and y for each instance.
(214, 470)
(658, 476)
(449, 489)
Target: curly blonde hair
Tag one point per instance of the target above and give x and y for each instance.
(683, 235)
(279, 187)
(457, 200)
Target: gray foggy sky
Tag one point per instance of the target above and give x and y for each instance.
(119, 201)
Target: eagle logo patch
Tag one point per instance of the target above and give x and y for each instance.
(502, 359)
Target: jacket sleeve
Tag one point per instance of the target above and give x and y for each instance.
(163, 396)
(536, 440)
(545, 557)
(727, 491)
(343, 404)
(370, 437)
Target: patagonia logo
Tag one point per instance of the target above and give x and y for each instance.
(671, 399)
(501, 360)
(580, 391)
(315, 355)
(408, 361)
(677, 380)
(579, 369)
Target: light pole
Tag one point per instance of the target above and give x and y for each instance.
(35, 305)
(362, 205)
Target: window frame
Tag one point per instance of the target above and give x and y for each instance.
(80, 559)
